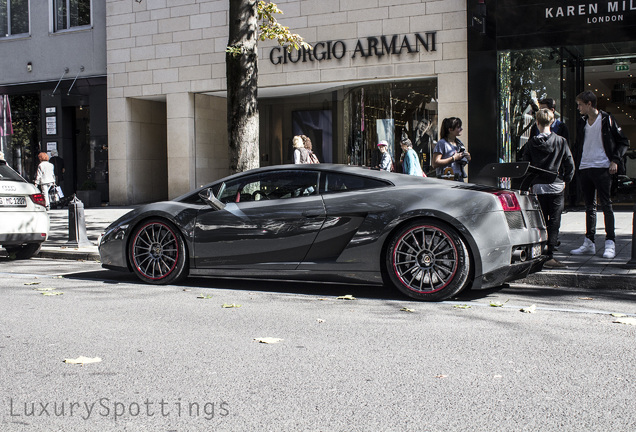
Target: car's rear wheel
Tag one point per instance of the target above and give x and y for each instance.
(428, 260)
(158, 253)
(23, 251)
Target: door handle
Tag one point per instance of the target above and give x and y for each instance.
(312, 213)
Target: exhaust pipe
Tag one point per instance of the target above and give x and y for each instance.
(519, 255)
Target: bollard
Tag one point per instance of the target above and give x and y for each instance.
(76, 224)
(631, 264)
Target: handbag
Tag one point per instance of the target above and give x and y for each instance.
(55, 194)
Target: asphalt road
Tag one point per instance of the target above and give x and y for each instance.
(173, 359)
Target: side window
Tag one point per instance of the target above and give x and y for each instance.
(271, 185)
(68, 14)
(14, 17)
(338, 182)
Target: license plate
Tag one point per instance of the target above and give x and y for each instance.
(536, 250)
(13, 202)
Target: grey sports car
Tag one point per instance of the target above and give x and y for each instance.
(429, 238)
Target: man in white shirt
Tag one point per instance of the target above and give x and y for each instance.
(600, 146)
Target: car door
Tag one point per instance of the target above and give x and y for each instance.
(270, 220)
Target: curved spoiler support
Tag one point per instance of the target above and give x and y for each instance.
(529, 174)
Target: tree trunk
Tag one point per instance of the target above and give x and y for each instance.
(242, 87)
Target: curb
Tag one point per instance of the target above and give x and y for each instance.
(581, 280)
(68, 254)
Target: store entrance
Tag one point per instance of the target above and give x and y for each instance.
(561, 73)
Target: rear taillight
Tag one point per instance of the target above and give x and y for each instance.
(508, 201)
(38, 199)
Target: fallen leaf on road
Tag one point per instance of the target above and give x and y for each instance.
(52, 293)
(498, 304)
(464, 306)
(32, 283)
(230, 305)
(404, 309)
(618, 315)
(530, 309)
(268, 340)
(83, 360)
(201, 296)
(347, 297)
(629, 321)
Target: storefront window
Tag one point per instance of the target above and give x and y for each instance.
(525, 77)
(388, 112)
(346, 123)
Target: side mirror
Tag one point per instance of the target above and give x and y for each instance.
(208, 197)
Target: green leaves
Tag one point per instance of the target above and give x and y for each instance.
(271, 29)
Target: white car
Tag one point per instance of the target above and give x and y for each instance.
(24, 221)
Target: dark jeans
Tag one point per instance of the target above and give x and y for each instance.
(552, 207)
(592, 180)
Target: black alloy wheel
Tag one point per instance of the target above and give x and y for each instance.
(157, 252)
(428, 260)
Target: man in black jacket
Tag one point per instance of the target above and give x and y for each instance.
(549, 151)
(600, 147)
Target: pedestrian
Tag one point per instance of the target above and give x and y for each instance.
(557, 126)
(301, 155)
(45, 177)
(450, 153)
(411, 163)
(307, 144)
(386, 162)
(58, 165)
(550, 152)
(600, 146)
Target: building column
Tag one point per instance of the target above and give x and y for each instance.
(120, 189)
(181, 144)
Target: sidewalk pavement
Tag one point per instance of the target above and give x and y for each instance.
(587, 271)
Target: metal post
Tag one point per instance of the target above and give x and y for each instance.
(76, 224)
(631, 264)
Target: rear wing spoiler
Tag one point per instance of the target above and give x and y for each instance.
(524, 175)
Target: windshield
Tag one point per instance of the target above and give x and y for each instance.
(7, 173)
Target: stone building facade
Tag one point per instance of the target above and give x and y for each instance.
(379, 69)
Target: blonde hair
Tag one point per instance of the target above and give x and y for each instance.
(297, 142)
(545, 117)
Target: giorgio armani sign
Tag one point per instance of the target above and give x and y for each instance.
(374, 46)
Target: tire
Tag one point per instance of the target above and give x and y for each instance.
(427, 260)
(24, 251)
(157, 253)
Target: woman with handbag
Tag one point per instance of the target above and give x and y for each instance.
(45, 177)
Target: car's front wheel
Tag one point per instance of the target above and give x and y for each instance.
(23, 251)
(428, 260)
(158, 252)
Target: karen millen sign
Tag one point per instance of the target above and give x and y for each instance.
(375, 46)
(594, 12)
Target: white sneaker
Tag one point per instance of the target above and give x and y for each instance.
(610, 249)
(588, 248)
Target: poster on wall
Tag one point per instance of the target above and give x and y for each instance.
(317, 126)
(385, 130)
